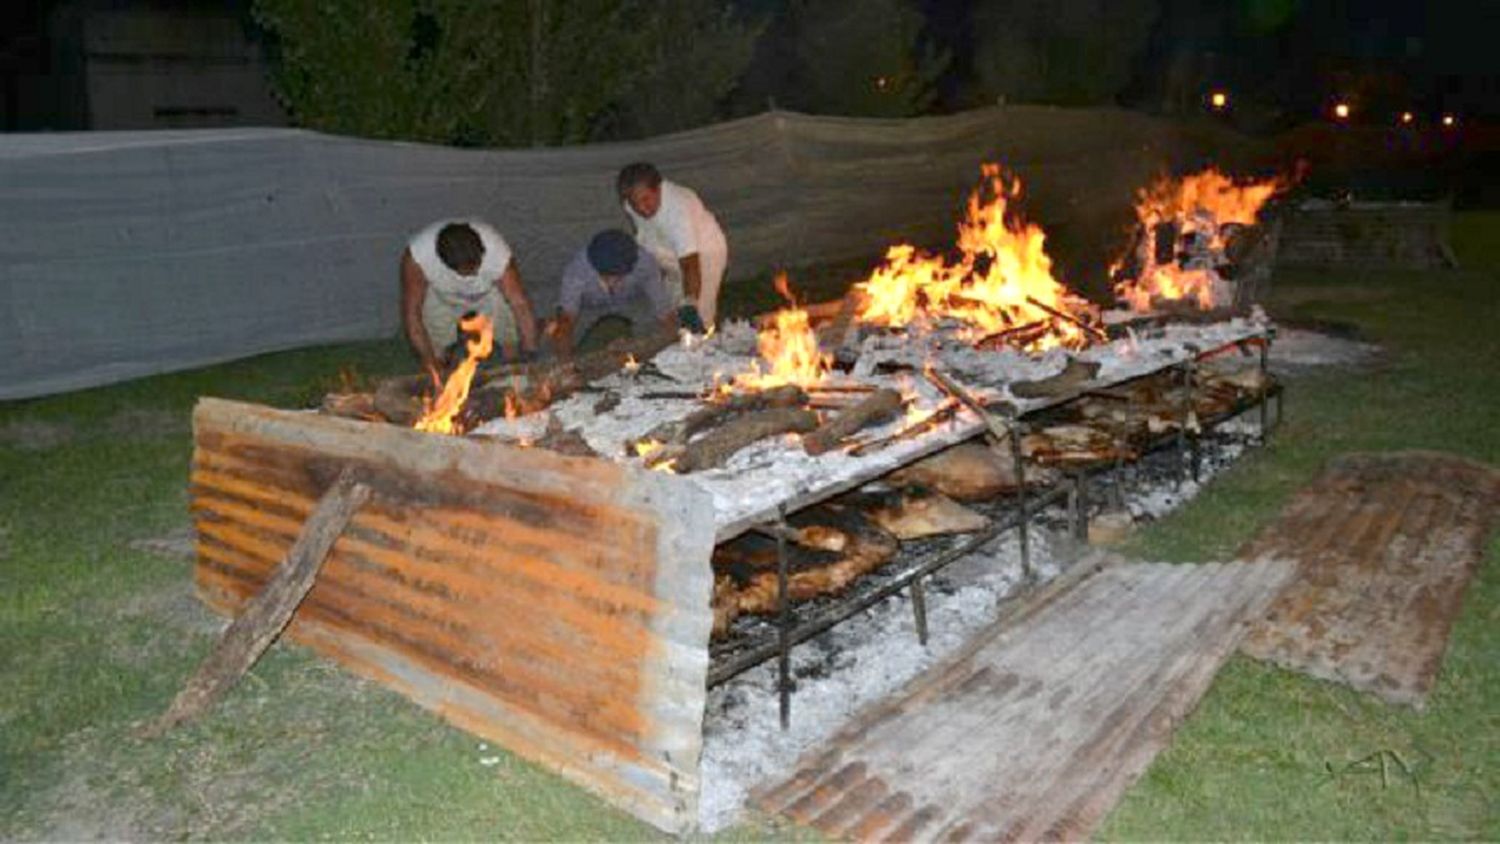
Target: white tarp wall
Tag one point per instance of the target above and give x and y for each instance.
(126, 254)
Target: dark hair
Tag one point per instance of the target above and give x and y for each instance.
(639, 173)
(612, 252)
(459, 246)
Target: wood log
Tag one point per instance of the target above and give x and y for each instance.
(679, 431)
(1075, 374)
(351, 406)
(997, 428)
(267, 614)
(944, 412)
(878, 407)
(997, 338)
(717, 446)
(838, 331)
(565, 441)
(1093, 330)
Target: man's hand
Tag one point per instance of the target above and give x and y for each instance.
(689, 318)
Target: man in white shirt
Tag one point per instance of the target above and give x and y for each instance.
(673, 223)
(453, 267)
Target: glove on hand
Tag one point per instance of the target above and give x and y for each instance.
(688, 317)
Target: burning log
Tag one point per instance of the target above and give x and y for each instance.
(878, 407)
(400, 399)
(1075, 374)
(838, 331)
(1020, 332)
(717, 446)
(1095, 331)
(944, 412)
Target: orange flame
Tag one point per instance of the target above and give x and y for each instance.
(442, 415)
(789, 352)
(1200, 204)
(1002, 273)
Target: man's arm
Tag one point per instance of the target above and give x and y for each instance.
(413, 291)
(515, 294)
(692, 277)
(688, 315)
(562, 333)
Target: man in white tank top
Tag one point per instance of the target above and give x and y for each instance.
(679, 230)
(455, 266)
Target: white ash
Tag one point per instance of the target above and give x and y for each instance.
(841, 672)
(1297, 348)
(756, 481)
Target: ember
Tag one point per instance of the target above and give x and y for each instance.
(1002, 279)
(1184, 229)
(441, 416)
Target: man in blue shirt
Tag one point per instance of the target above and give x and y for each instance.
(612, 276)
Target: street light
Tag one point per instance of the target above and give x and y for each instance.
(1407, 118)
(1218, 100)
(1449, 121)
(1341, 110)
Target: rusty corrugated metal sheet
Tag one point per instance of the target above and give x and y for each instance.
(1038, 726)
(1387, 544)
(557, 606)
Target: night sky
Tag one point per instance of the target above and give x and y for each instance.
(1294, 55)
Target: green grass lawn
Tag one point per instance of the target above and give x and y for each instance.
(98, 635)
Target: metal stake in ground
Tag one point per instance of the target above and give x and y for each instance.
(266, 614)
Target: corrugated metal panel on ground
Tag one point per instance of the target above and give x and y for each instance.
(1387, 544)
(1039, 725)
(558, 606)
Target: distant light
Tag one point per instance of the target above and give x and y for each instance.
(1450, 121)
(1219, 100)
(1341, 111)
(1407, 117)
(881, 82)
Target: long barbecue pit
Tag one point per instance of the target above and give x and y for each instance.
(611, 538)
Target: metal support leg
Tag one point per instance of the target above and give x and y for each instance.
(1117, 485)
(1023, 518)
(1265, 391)
(783, 622)
(1078, 507)
(1182, 425)
(919, 608)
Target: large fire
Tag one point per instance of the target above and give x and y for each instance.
(1193, 214)
(788, 347)
(1002, 279)
(441, 416)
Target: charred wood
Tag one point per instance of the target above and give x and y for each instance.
(878, 407)
(717, 446)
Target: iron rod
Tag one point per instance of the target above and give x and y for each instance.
(919, 609)
(783, 622)
(1023, 531)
